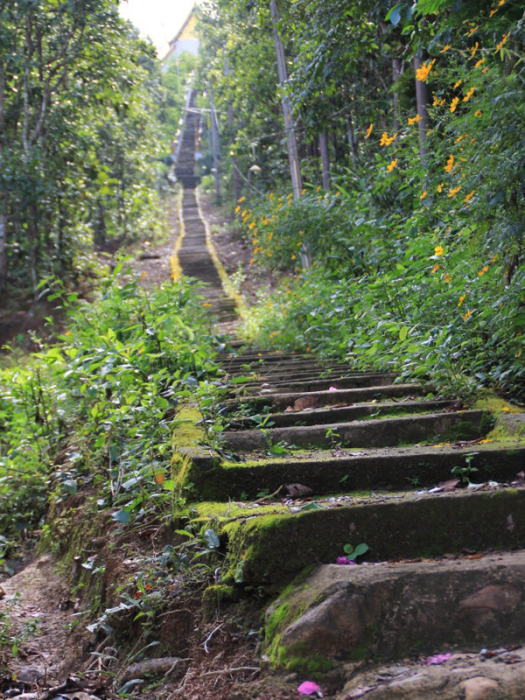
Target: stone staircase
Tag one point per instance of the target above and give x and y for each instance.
(317, 459)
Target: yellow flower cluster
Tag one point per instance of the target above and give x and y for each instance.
(502, 42)
(369, 131)
(423, 72)
(450, 164)
(386, 140)
(438, 251)
(454, 191)
(391, 165)
(462, 299)
(480, 62)
(454, 104)
(469, 94)
(469, 197)
(483, 270)
(414, 120)
(438, 102)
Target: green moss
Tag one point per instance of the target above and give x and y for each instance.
(296, 658)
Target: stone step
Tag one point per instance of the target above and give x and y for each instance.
(394, 611)
(322, 416)
(383, 432)
(308, 385)
(280, 402)
(269, 545)
(326, 472)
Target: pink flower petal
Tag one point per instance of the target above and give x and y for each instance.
(344, 561)
(438, 659)
(333, 388)
(309, 688)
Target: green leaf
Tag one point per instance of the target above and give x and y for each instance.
(121, 516)
(211, 539)
(403, 333)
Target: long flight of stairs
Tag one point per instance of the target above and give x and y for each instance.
(317, 458)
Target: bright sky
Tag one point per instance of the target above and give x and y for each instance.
(158, 19)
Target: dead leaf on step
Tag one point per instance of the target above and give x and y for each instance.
(456, 406)
(359, 692)
(298, 490)
(449, 485)
(305, 402)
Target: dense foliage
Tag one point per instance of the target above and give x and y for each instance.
(97, 409)
(419, 260)
(80, 148)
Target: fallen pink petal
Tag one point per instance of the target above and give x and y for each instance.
(344, 561)
(309, 688)
(333, 388)
(438, 659)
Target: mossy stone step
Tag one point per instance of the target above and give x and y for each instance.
(320, 384)
(270, 548)
(324, 473)
(276, 376)
(281, 401)
(349, 613)
(385, 432)
(321, 416)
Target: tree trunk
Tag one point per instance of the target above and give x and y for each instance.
(397, 71)
(293, 156)
(423, 98)
(352, 139)
(235, 166)
(3, 253)
(325, 159)
(215, 149)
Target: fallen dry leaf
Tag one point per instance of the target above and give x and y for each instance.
(298, 490)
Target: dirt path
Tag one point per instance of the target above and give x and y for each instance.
(40, 608)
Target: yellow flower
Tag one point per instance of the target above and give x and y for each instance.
(455, 87)
(462, 299)
(414, 120)
(337, 194)
(369, 131)
(451, 193)
(303, 191)
(206, 304)
(448, 278)
(270, 196)
(386, 140)
(391, 166)
(445, 48)
(435, 268)
(469, 94)
(293, 256)
(483, 270)
(244, 213)
(252, 225)
(423, 72)
(270, 236)
(440, 187)
(450, 163)
(469, 196)
(502, 42)
(493, 12)
(473, 49)
(237, 209)
(474, 29)
(480, 62)
(438, 251)
(438, 102)
(467, 315)
(241, 200)
(265, 222)
(318, 188)
(459, 138)
(422, 196)
(454, 104)
(479, 113)
(506, 409)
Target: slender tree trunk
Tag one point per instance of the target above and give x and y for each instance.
(215, 149)
(422, 98)
(397, 71)
(325, 159)
(293, 156)
(352, 138)
(235, 166)
(3, 252)
(33, 242)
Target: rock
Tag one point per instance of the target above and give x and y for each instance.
(395, 610)
(479, 688)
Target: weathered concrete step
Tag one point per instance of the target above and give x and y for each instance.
(307, 385)
(280, 402)
(316, 379)
(326, 473)
(270, 545)
(350, 613)
(385, 432)
(307, 370)
(321, 416)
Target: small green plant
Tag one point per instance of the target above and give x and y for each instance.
(465, 472)
(333, 437)
(11, 637)
(352, 554)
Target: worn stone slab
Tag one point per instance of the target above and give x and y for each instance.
(391, 611)
(461, 425)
